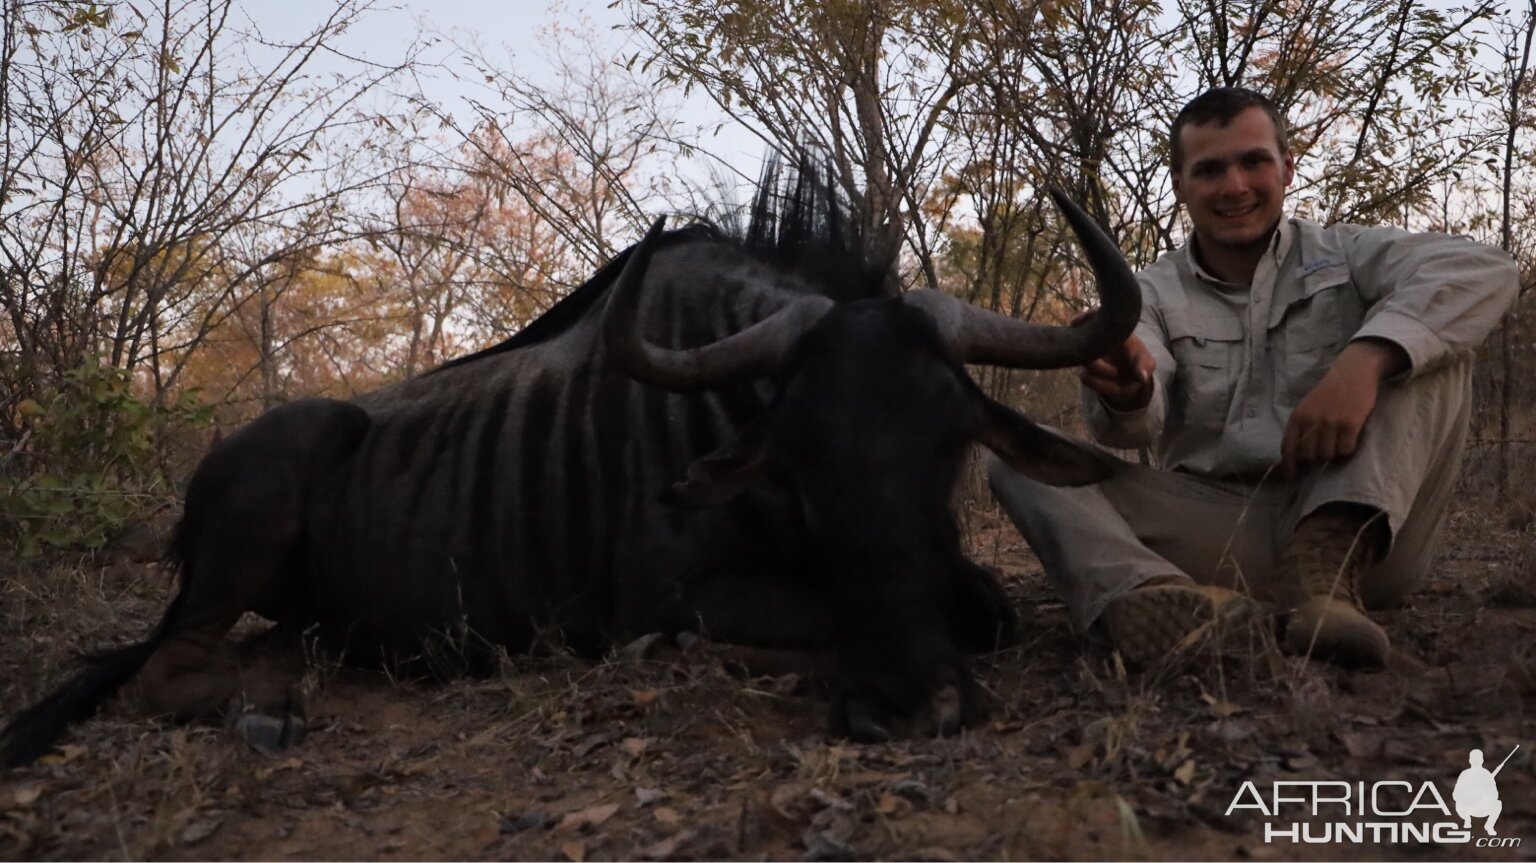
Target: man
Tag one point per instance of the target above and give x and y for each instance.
(1306, 390)
(1477, 793)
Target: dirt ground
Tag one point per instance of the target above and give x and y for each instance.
(682, 757)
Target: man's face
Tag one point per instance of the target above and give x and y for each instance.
(1233, 179)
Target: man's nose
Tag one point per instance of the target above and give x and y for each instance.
(1233, 181)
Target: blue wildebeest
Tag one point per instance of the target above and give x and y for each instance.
(739, 436)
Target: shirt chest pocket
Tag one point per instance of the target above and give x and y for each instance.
(1208, 351)
(1314, 328)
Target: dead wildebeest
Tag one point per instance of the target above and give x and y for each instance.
(821, 428)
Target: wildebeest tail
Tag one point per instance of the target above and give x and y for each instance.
(32, 733)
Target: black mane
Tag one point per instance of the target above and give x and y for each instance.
(800, 224)
(797, 224)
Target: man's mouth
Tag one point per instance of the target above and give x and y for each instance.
(1237, 212)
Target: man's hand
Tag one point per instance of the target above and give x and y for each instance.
(1122, 377)
(1326, 425)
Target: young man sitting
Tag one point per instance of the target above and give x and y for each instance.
(1306, 390)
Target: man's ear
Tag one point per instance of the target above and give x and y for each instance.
(1041, 454)
(1289, 160)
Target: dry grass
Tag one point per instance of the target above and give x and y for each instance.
(679, 757)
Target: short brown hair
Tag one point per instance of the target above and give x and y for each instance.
(1219, 105)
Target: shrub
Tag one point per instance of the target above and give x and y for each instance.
(88, 461)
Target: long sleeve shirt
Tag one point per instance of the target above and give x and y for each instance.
(1233, 361)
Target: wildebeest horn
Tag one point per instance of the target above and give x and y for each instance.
(988, 338)
(756, 351)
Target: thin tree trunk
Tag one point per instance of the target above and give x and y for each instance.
(268, 362)
(1507, 242)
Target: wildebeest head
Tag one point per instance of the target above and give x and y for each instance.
(885, 358)
(873, 418)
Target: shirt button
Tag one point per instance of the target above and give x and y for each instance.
(1252, 412)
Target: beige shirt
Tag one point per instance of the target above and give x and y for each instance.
(1234, 360)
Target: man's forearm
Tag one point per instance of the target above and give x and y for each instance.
(1378, 358)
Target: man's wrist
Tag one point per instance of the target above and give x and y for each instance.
(1380, 358)
(1128, 405)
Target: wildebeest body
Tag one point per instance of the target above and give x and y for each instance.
(519, 493)
(531, 489)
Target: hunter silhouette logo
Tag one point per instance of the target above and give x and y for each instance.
(1383, 812)
(1477, 794)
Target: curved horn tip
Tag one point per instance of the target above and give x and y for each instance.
(1066, 203)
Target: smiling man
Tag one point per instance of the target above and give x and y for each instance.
(1306, 390)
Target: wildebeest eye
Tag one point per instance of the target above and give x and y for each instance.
(726, 472)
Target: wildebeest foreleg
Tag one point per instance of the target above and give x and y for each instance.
(757, 608)
(761, 621)
(981, 618)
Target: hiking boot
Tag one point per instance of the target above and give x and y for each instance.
(1162, 615)
(1326, 559)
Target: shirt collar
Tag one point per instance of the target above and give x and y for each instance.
(1280, 243)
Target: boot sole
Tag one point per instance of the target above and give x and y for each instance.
(1150, 624)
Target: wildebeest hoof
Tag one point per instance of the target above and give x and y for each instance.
(859, 722)
(274, 730)
(269, 734)
(643, 648)
(945, 711)
(944, 715)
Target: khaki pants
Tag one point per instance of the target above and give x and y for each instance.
(1099, 541)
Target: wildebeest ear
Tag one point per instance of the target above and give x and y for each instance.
(1040, 454)
(716, 478)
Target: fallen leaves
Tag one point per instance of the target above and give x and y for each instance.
(583, 819)
(266, 771)
(1378, 746)
(20, 796)
(667, 848)
(1079, 756)
(891, 804)
(1220, 707)
(1363, 744)
(653, 762)
(1234, 730)
(63, 755)
(526, 821)
(199, 830)
(1185, 773)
